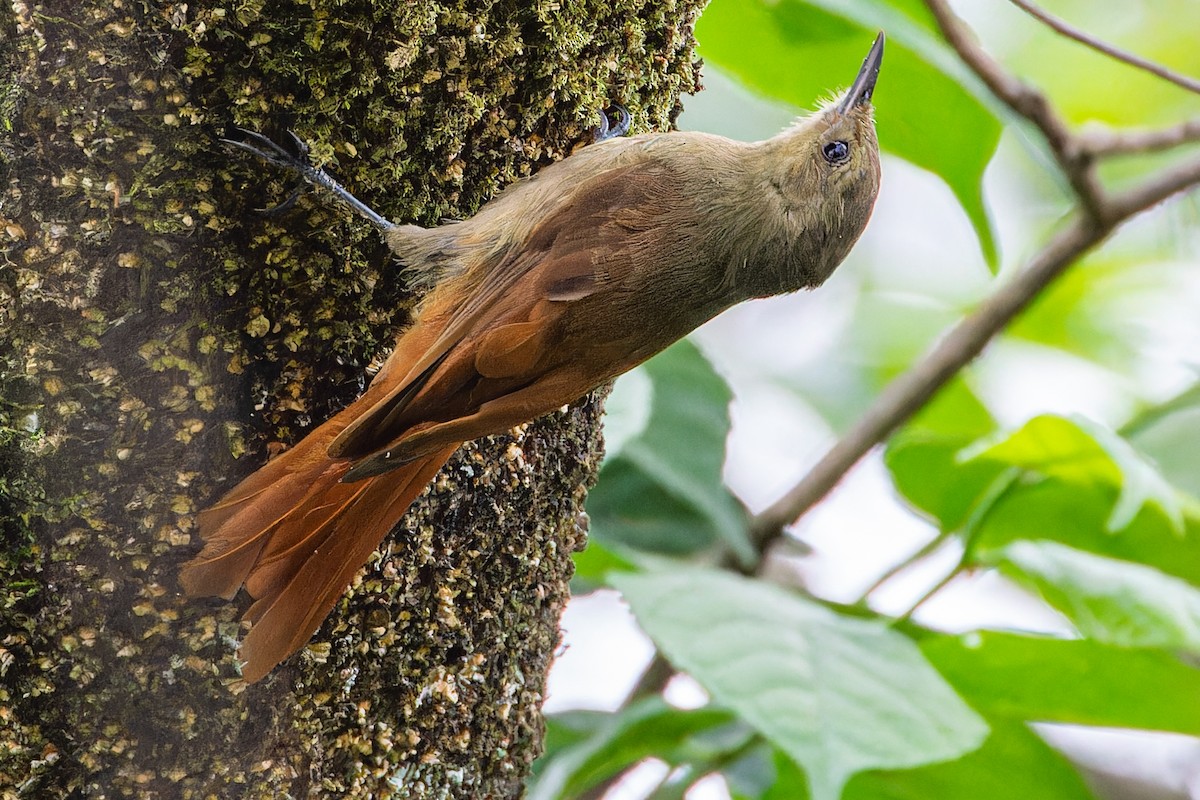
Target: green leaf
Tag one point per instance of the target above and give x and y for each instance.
(630, 509)
(1080, 452)
(923, 458)
(1091, 310)
(649, 728)
(663, 491)
(790, 783)
(1170, 434)
(837, 694)
(1081, 682)
(1111, 601)
(931, 111)
(929, 476)
(1141, 482)
(1079, 516)
(566, 730)
(1013, 762)
(626, 410)
(592, 565)
(955, 413)
(752, 774)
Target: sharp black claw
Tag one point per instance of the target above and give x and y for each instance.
(602, 131)
(269, 151)
(290, 201)
(609, 131)
(273, 153)
(301, 145)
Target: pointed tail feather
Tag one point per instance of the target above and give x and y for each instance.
(285, 619)
(294, 535)
(303, 531)
(235, 534)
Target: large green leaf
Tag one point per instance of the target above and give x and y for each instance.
(1083, 453)
(1085, 487)
(1082, 682)
(1079, 515)
(1111, 601)
(839, 695)
(1170, 434)
(631, 509)
(923, 458)
(1093, 310)
(930, 109)
(601, 746)
(662, 491)
(1012, 763)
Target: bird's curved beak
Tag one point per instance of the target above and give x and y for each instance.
(864, 85)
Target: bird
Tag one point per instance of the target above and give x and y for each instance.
(558, 284)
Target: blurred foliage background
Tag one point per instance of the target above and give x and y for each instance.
(1004, 600)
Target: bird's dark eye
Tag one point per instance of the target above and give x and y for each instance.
(836, 152)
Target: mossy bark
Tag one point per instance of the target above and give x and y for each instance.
(159, 338)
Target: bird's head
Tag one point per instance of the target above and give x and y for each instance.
(824, 171)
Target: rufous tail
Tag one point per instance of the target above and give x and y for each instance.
(294, 535)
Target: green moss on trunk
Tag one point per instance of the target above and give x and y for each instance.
(160, 337)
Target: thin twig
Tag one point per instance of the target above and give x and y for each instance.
(1084, 38)
(913, 389)
(1077, 164)
(926, 550)
(1100, 215)
(928, 594)
(907, 394)
(1155, 190)
(1101, 143)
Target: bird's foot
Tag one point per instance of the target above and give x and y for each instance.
(273, 153)
(609, 131)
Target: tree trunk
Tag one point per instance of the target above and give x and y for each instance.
(160, 338)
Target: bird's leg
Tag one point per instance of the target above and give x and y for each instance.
(605, 131)
(272, 153)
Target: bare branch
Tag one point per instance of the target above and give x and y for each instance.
(1155, 190)
(1076, 164)
(1103, 142)
(1099, 214)
(912, 390)
(1085, 38)
(908, 393)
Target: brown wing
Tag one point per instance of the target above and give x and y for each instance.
(504, 336)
